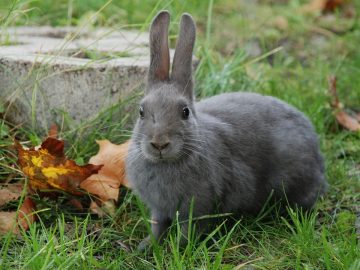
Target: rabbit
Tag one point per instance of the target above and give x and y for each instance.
(224, 154)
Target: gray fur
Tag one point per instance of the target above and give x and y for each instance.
(229, 155)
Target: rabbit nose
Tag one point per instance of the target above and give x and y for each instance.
(160, 146)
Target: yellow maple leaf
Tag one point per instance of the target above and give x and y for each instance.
(47, 168)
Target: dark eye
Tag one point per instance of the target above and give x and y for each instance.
(185, 113)
(141, 112)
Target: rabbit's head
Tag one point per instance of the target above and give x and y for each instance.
(167, 119)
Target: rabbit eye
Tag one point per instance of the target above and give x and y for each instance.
(186, 113)
(141, 112)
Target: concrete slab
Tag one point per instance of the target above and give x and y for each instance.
(47, 73)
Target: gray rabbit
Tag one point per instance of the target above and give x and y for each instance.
(224, 154)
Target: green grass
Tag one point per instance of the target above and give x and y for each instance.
(323, 239)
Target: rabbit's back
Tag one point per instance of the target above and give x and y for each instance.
(276, 142)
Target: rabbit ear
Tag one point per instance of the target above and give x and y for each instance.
(159, 48)
(182, 64)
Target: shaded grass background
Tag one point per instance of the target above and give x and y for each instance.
(228, 32)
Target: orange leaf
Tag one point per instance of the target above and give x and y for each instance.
(47, 168)
(105, 184)
(11, 221)
(344, 119)
(347, 121)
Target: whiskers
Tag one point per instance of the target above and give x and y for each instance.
(132, 156)
(201, 152)
(133, 160)
(202, 144)
(198, 148)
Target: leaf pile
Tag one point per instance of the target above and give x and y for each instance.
(50, 172)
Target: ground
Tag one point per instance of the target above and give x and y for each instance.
(266, 46)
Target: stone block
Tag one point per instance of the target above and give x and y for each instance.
(48, 73)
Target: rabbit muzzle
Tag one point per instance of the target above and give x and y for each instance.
(162, 147)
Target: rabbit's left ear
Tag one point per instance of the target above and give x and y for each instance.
(159, 48)
(182, 64)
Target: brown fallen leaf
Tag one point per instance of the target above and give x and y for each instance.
(344, 119)
(322, 5)
(26, 216)
(281, 23)
(7, 220)
(47, 168)
(74, 202)
(106, 208)
(331, 5)
(96, 209)
(10, 192)
(106, 183)
(12, 221)
(347, 121)
(53, 131)
(358, 117)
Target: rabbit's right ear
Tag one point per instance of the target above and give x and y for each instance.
(159, 48)
(182, 63)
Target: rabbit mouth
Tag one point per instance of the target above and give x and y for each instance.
(165, 155)
(160, 157)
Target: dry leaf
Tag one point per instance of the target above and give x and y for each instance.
(53, 131)
(7, 220)
(358, 117)
(107, 207)
(344, 119)
(26, 216)
(48, 168)
(10, 192)
(331, 5)
(281, 23)
(106, 183)
(76, 204)
(347, 121)
(10, 221)
(96, 209)
(322, 5)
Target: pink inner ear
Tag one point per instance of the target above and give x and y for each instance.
(162, 72)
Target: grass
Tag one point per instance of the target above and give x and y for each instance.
(311, 50)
